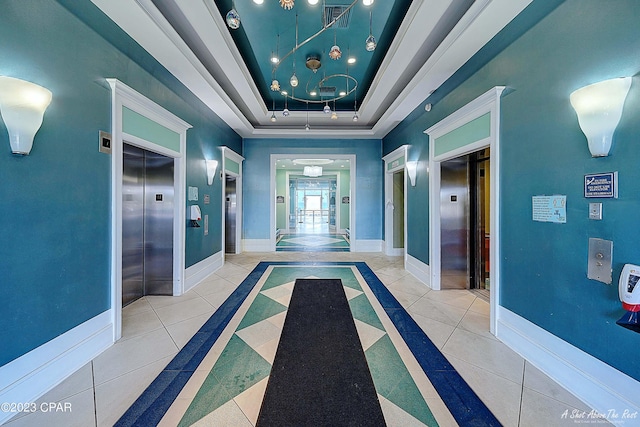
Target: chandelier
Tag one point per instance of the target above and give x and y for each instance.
(313, 84)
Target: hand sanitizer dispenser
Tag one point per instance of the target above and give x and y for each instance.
(629, 292)
(195, 215)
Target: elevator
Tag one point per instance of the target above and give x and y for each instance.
(147, 224)
(464, 216)
(230, 213)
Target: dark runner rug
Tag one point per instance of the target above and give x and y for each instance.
(320, 375)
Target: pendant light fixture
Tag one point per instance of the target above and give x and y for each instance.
(370, 43)
(233, 18)
(335, 52)
(273, 112)
(275, 59)
(294, 80)
(285, 112)
(288, 4)
(334, 113)
(306, 127)
(355, 107)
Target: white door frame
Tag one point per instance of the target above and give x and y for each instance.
(228, 153)
(122, 96)
(394, 162)
(489, 102)
(352, 192)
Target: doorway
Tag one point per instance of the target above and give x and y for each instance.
(147, 224)
(398, 210)
(313, 204)
(230, 214)
(464, 223)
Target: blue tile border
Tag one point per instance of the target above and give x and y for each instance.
(154, 402)
(463, 403)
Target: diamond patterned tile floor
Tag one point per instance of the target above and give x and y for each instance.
(481, 367)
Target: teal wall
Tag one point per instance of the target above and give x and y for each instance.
(344, 190)
(281, 190)
(256, 181)
(55, 203)
(543, 151)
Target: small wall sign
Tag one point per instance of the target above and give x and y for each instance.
(601, 185)
(279, 199)
(345, 200)
(550, 208)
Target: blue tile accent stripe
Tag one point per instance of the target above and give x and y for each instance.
(154, 402)
(465, 406)
(463, 403)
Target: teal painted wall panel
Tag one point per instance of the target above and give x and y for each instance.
(466, 134)
(396, 163)
(232, 166)
(369, 183)
(543, 151)
(55, 203)
(344, 208)
(281, 190)
(138, 125)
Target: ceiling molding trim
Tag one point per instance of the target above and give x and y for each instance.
(143, 22)
(417, 26)
(206, 20)
(301, 133)
(477, 27)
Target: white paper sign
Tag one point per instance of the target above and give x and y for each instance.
(550, 209)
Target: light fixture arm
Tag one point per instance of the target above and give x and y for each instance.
(322, 30)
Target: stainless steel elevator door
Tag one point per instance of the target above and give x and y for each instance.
(147, 224)
(230, 215)
(454, 224)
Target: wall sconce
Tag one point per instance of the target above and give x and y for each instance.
(599, 108)
(212, 165)
(22, 105)
(412, 169)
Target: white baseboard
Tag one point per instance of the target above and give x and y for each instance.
(597, 384)
(201, 270)
(257, 245)
(30, 376)
(419, 269)
(389, 250)
(361, 245)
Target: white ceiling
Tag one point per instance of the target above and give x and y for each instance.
(420, 59)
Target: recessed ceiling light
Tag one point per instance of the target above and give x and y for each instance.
(367, 2)
(351, 60)
(343, 93)
(258, 1)
(274, 59)
(284, 92)
(313, 93)
(313, 1)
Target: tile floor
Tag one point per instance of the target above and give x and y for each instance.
(155, 328)
(325, 242)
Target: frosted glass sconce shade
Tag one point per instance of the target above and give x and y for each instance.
(22, 105)
(412, 169)
(599, 108)
(212, 166)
